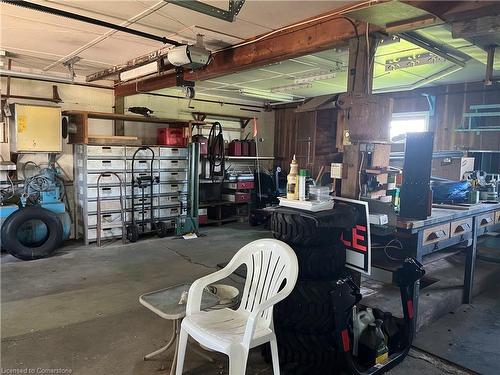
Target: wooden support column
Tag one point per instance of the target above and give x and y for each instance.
(119, 125)
(359, 82)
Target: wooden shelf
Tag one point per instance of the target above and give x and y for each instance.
(227, 157)
(133, 118)
(81, 119)
(219, 203)
(226, 220)
(201, 116)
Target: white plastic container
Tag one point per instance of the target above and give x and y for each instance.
(319, 193)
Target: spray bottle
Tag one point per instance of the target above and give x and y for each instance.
(292, 189)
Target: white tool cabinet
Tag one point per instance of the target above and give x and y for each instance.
(169, 195)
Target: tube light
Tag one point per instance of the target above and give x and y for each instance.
(141, 71)
(263, 94)
(289, 88)
(316, 77)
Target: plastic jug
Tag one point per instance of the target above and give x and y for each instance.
(372, 345)
(360, 320)
(391, 332)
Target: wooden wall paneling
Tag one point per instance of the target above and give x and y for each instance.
(325, 149)
(352, 161)
(82, 128)
(305, 139)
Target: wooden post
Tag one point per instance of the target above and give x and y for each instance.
(119, 125)
(359, 81)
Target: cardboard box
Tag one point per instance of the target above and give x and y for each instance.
(452, 168)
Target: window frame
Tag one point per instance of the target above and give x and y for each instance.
(409, 115)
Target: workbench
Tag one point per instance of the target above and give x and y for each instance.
(446, 228)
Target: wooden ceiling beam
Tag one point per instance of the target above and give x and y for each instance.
(296, 41)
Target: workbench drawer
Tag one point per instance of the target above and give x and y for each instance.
(170, 152)
(486, 220)
(170, 212)
(435, 234)
(106, 205)
(105, 151)
(105, 233)
(107, 220)
(460, 227)
(172, 200)
(173, 188)
(106, 179)
(104, 192)
(173, 176)
(142, 154)
(497, 217)
(138, 190)
(138, 215)
(142, 165)
(106, 165)
(141, 174)
(173, 164)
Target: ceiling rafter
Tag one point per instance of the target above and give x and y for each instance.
(297, 41)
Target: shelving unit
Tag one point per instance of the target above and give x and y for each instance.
(170, 165)
(217, 205)
(81, 120)
(471, 123)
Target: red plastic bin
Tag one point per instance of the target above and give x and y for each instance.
(171, 137)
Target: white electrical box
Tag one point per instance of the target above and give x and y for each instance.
(35, 128)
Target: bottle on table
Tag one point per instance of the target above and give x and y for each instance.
(302, 185)
(292, 188)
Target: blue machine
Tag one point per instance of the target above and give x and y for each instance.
(42, 190)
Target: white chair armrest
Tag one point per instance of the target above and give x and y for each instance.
(252, 318)
(196, 290)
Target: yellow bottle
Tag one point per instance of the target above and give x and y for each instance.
(292, 188)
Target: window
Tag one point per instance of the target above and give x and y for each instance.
(403, 123)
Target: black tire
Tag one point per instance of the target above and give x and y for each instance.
(161, 229)
(308, 309)
(321, 262)
(132, 233)
(41, 249)
(304, 351)
(302, 230)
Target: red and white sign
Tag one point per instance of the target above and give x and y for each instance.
(357, 240)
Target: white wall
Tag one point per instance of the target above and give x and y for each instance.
(102, 100)
(180, 109)
(74, 97)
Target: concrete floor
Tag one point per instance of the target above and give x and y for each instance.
(79, 310)
(468, 335)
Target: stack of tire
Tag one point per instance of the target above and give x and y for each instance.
(304, 321)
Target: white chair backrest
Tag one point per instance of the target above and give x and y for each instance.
(269, 263)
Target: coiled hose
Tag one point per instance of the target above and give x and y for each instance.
(216, 156)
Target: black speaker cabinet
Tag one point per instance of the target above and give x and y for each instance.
(415, 191)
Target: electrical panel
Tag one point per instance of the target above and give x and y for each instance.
(35, 128)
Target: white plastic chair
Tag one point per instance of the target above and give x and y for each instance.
(234, 332)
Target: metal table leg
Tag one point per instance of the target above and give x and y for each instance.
(174, 342)
(417, 243)
(170, 343)
(470, 264)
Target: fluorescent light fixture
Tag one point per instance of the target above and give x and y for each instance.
(413, 60)
(141, 71)
(263, 94)
(315, 77)
(289, 88)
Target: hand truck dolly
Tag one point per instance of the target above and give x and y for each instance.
(138, 227)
